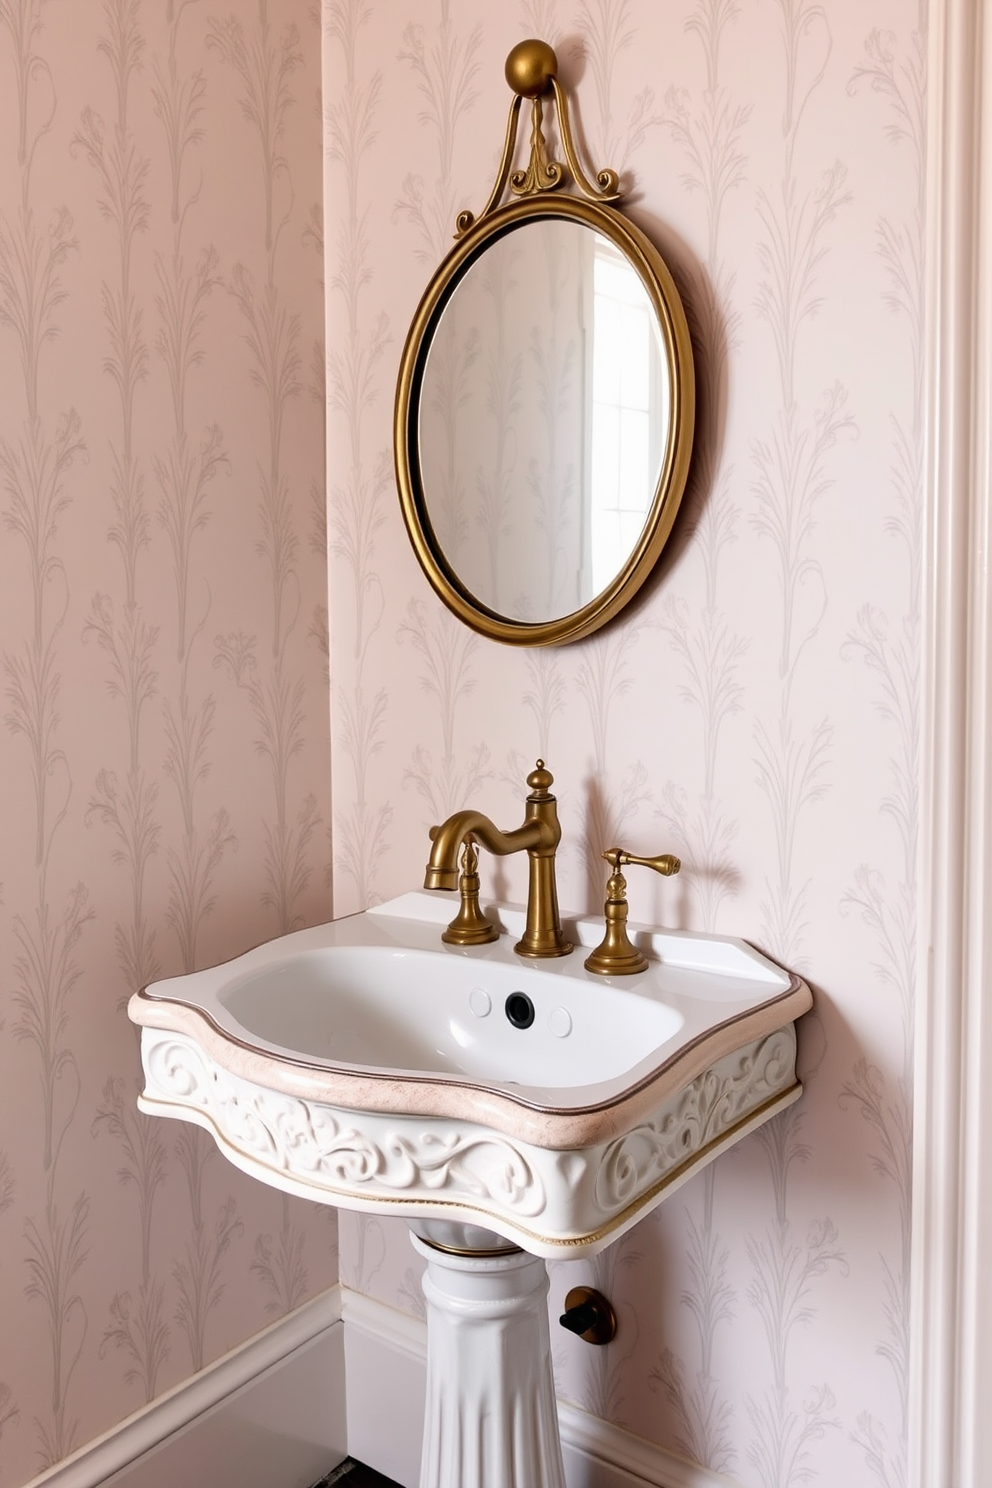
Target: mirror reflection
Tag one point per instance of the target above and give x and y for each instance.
(544, 419)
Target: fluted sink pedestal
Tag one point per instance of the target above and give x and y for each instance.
(491, 1418)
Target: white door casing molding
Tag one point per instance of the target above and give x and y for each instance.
(951, 1350)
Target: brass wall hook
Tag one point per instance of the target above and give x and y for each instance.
(615, 955)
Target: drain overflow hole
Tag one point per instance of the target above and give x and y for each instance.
(520, 1010)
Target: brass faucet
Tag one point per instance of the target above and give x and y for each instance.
(538, 837)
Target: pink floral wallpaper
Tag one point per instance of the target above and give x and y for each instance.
(163, 642)
(756, 712)
(165, 637)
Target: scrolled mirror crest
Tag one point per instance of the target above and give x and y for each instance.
(545, 402)
(532, 72)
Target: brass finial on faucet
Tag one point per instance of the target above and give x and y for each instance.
(538, 837)
(470, 926)
(615, 956)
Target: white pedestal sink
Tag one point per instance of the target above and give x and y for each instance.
(508, 1111)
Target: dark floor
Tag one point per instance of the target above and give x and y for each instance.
(353, 1474)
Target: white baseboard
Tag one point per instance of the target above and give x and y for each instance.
(385, 1360)
(291, 1403)
(270, 1414)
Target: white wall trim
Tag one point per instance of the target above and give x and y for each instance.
(384, 1345)
(181, 1406)
(951, 1323)
(395, 1330)
(607, 1448)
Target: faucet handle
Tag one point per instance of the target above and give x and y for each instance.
(666, 864)
(470, 926)
(615, 955)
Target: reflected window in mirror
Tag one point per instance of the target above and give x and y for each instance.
(629, 414)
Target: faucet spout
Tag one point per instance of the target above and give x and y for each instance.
(442, 870)
(538, 836)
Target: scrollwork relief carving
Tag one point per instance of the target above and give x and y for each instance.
(420, 1160)
(321, 1145)
(714, 1103)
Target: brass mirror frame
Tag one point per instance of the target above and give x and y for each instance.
(475, 236)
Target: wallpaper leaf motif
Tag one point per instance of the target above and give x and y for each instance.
(791, 763)
(445, 649)
(127, 806)
(192, 866)
(892, 657)
(199, 1273)
(602, 678)
(356, 501)
(33, 476)
(265, 66)
(128, 809)
(604, 1381)
(265, 61)
(140, 1329)
(546, 695)
(56, 1254)
(9, 1411)
(31, 287)
(610, 29)
(184, 478)
(108, 280)
(445, 63)
(122, 172)
(711, 651)
(357, 512)
(141, 1333)
(23, 18)
(703, 1415)
(281, 1268)
(45, 969)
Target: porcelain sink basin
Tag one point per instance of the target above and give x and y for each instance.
(412, 1010)
(364, 1063)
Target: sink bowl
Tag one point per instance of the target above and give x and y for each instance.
(413, 1011)
(364, 1063)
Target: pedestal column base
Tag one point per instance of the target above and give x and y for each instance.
(492, 1418)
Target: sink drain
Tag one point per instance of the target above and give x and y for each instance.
(519, 1009)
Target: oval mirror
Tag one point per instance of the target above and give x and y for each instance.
(544, 420)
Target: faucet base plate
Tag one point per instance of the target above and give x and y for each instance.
(546, 946)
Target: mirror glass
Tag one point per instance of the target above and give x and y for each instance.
(544, 419)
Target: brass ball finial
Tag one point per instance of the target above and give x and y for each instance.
(540, 779)
(530, 67)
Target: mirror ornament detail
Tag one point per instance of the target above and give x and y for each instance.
(545, 402)
(532, 71)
